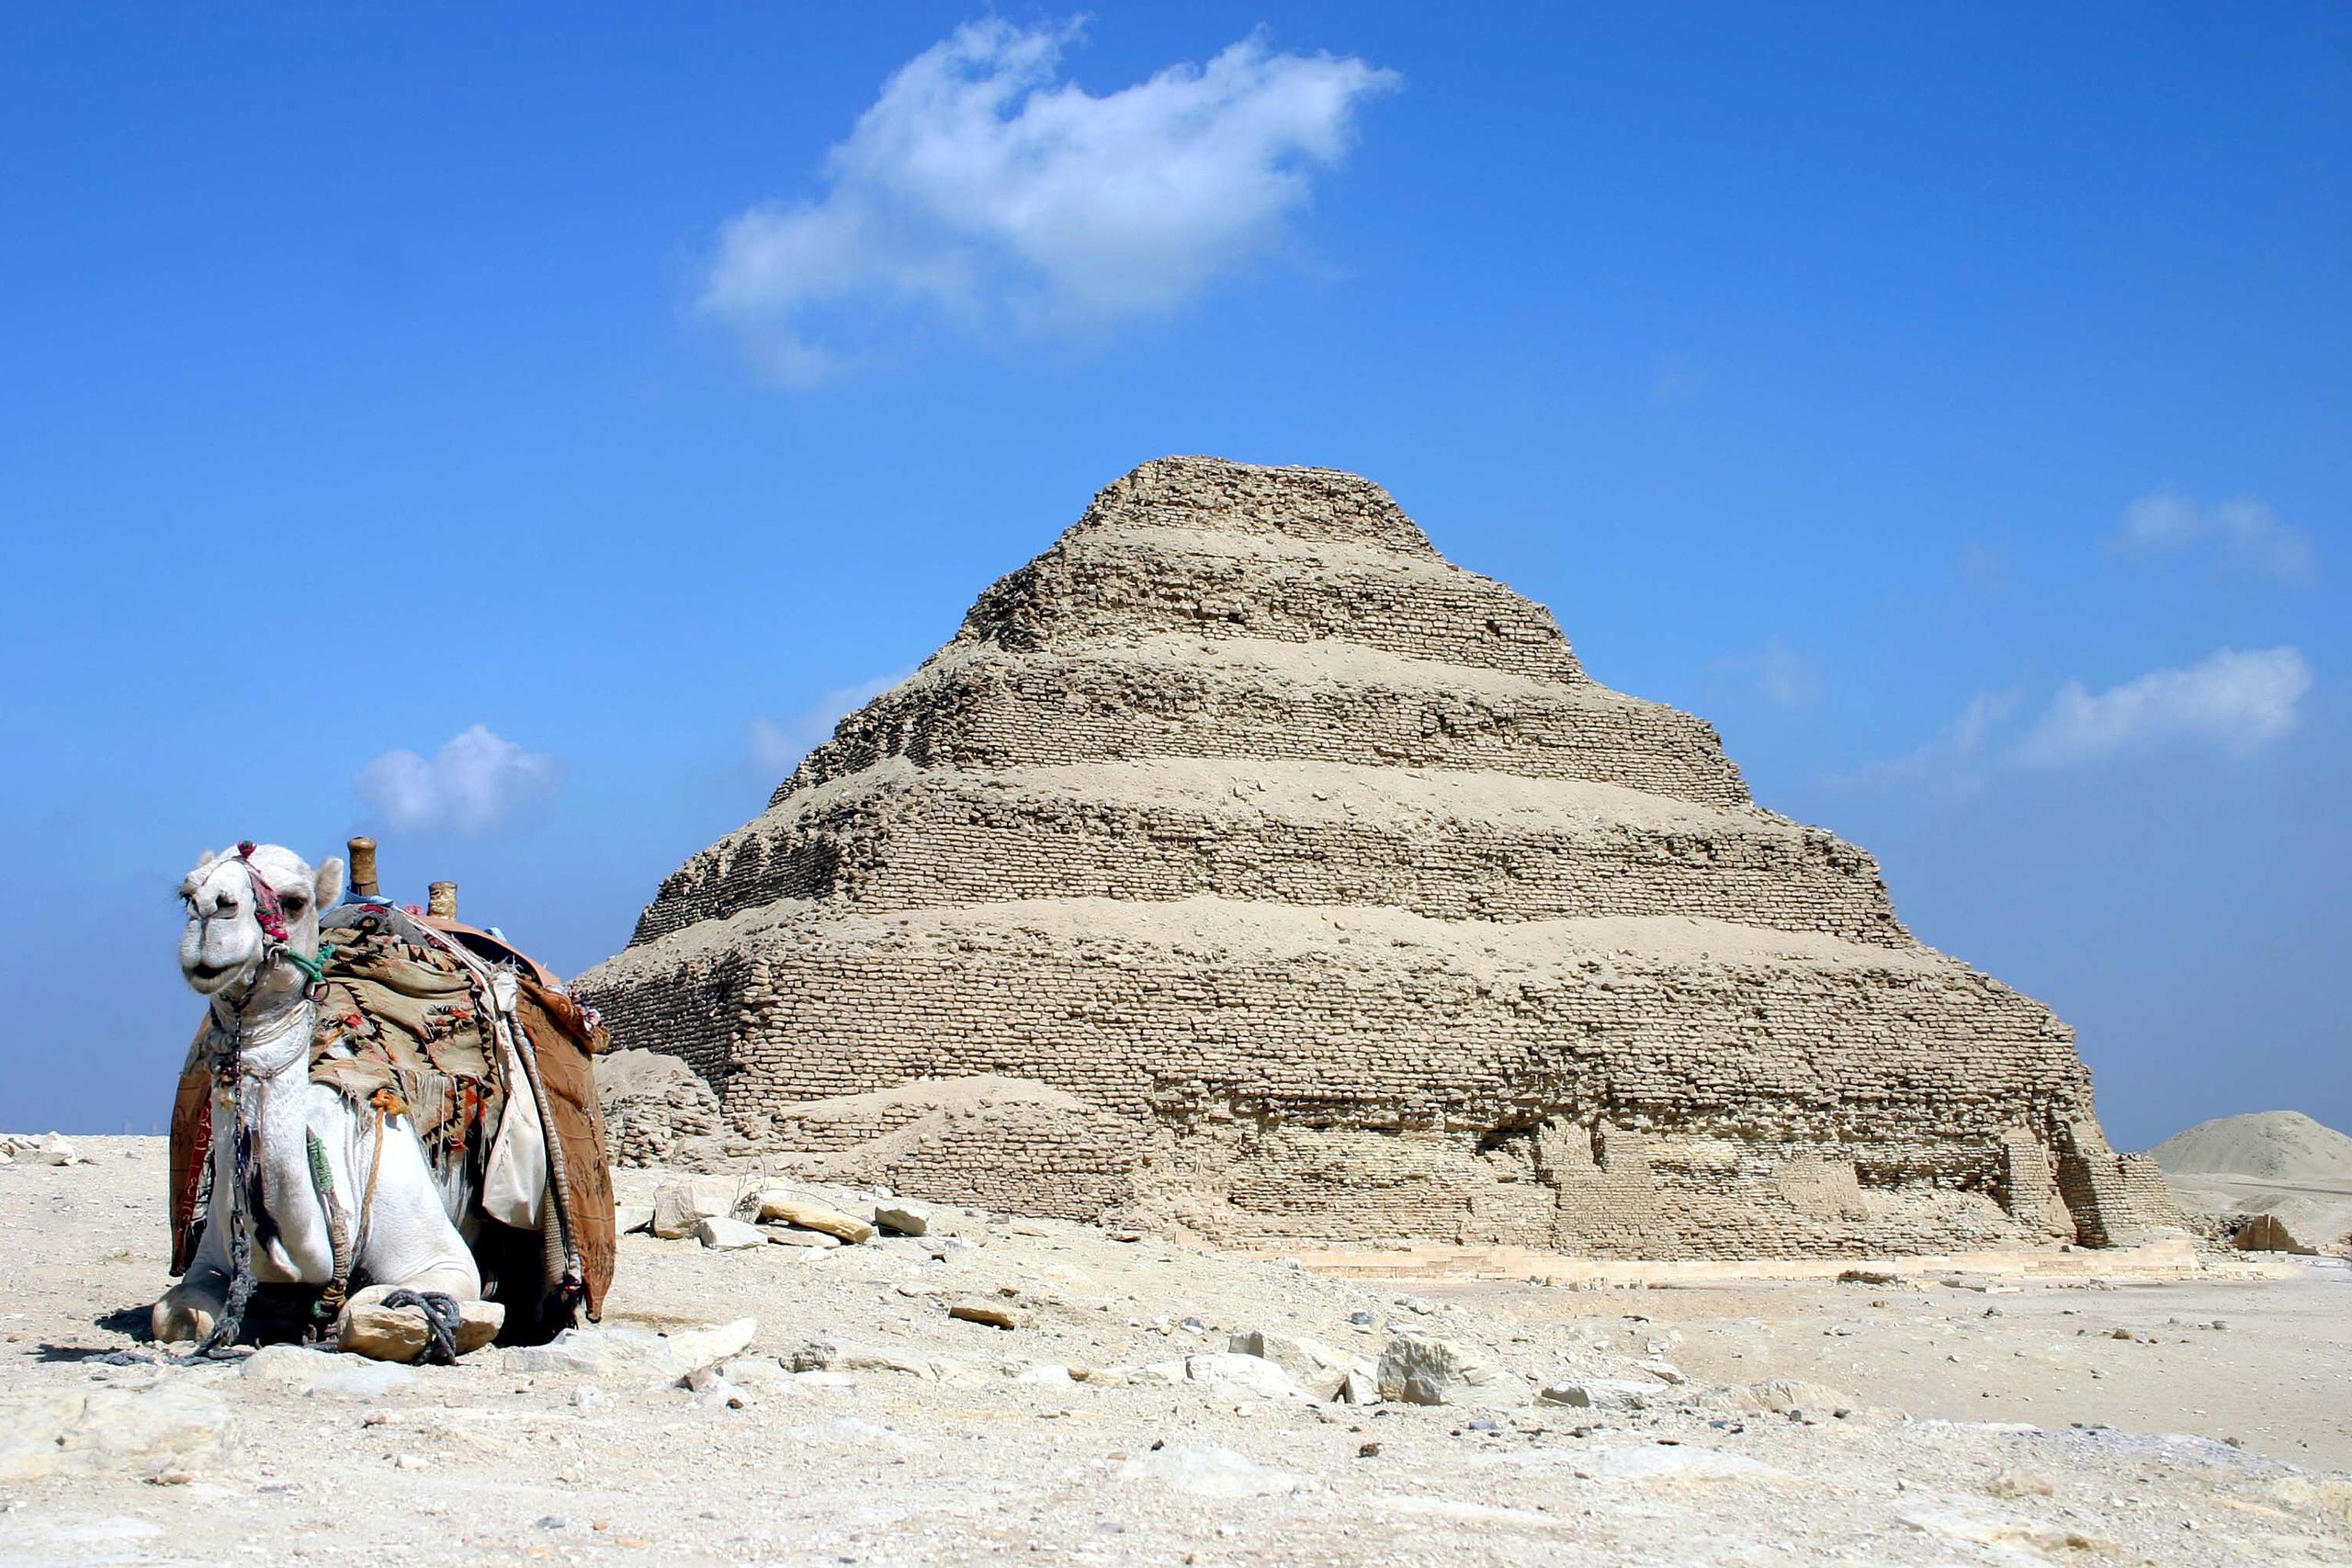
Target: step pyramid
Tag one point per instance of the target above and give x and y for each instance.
(1255, 870)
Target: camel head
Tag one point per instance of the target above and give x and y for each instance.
(247, 905)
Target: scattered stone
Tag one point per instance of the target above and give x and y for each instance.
(1782, 1396)
(1664, 1371)
(839, 1355)
(628, 1217)
(711, 1388)
(807, 1241)
(1209, 1469)
(1867, 1277)
(401, 1334)
(995, 1314)
(314, 1372)
(781, 1204)
(1227, 1375)
(1316, 1367)
(1422, 1369)
(680, 1206)
(722, 1234)
(1674, 1464)
(632, 1352)
(2007, 1536)
(1601, 1394)
(169, 1426)
(712, 1344)
(2019, 1484)
(902, 1219)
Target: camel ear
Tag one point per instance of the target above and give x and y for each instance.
(326, 883)
(206, 858)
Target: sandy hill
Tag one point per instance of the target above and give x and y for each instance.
(2276, 1146)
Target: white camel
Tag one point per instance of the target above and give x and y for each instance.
(252, 921)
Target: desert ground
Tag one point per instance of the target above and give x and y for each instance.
(2174, 1408)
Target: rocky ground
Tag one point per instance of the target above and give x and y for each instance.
(1931, 1418)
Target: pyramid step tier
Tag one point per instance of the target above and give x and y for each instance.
(1444, 844)
(1261, 1052)
(984, 708)
(1159, 581)
(1211, 499)
(1181, 1007)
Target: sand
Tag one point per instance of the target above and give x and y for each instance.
(1960, 1418)
(2274, 1162)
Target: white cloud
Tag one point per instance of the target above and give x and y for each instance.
(1785, 677)
(476, 780)
(983, 191)
(2245, 533)
(2235, 700)
(778, 748)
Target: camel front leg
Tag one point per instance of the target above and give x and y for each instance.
(415, 1259)
(190, 1308)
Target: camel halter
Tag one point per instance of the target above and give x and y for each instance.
(231, 1072)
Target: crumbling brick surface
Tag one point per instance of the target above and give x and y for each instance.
(1278, 879)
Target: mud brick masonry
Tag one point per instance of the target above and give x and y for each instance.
(1246, 866)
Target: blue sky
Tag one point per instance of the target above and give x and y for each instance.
(1950, 405)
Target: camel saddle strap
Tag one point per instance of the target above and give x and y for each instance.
(565, 1044)
(191, 1153)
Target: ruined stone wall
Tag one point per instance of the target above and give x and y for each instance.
(1321, 895)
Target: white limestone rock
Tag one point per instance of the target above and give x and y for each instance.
(1316, 1367)
(1424, 1369)
(680, 1206)
(791, 1208)
(154, 1432)
(722, 1234)
(1602, 1393)
(1228, 1375)
(616, 1353)
(902, 1218)
(371, 1329)
(1210, 1470)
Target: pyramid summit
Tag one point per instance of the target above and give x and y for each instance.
(1259, 870)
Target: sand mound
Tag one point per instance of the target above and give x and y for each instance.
(2278, 1145)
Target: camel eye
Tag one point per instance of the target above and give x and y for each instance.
(292, 903)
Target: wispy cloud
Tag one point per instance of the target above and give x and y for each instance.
(1957, 756)
(1778, 672)
(2233, 700)
(984, 192)
(477, 780)
(777, 746)
(2245, 535)
(1982, 567)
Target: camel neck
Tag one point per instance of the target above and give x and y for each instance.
(271, 1035)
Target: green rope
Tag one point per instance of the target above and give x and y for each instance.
(321, 1177)
(315, 966)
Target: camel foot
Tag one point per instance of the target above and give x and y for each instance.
(183, 1314)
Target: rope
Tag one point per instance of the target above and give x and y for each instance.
(442, 1316)
(338, 1287)
(388, 1105)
